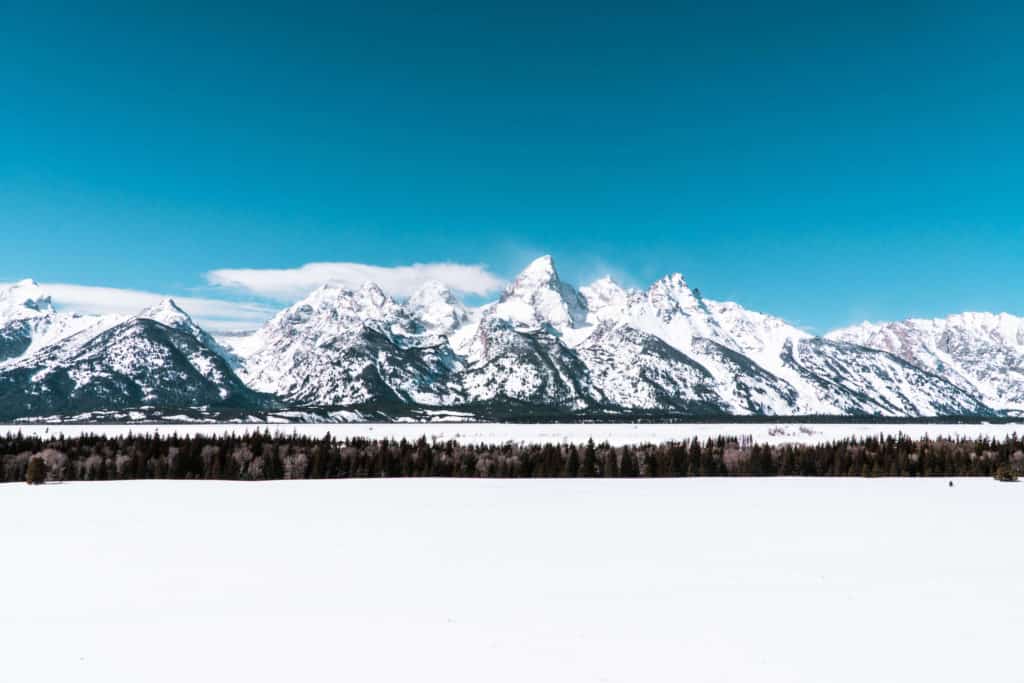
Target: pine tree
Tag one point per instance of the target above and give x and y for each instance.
(611, 465)
(36, 472)
(572, 465)
(678, 461)
(628, 468)
(589, 468)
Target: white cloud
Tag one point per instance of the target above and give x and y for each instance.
(213, 314)
(289, 284)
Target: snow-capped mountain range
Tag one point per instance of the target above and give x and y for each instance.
(543, 350)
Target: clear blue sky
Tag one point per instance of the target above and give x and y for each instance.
(827, 164)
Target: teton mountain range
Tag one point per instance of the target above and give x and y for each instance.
(543, 350)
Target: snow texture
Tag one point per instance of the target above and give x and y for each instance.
(982, 353)
(782, 580)
(544, 348)
(498, 433)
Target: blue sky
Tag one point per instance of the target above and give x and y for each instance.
(820, 163)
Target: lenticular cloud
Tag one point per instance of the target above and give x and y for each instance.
(290, 283)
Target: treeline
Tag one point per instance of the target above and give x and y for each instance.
(262, 455)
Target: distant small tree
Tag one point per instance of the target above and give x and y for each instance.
(36, 471)
(628, 466)
(572, 464)
(1003, 473)
(589, 466)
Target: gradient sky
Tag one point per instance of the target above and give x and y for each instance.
(822, 163)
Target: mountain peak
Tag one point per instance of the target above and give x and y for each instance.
(537, 296)
(327, 292)
(432, 289)
(674, 281)
(540, 270)
(432, 293)
(605, 298)
(24, 298)
(170, 304)
(371, 301)
(435, 306)
(334, 301)
(167, 312)
(672, 291)
(606, 287)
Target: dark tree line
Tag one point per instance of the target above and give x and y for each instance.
(262, 455)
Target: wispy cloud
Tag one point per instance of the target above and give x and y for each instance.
(213, 314)
(287, 284)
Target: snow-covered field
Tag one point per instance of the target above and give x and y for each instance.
(744, 580)
(616, 434)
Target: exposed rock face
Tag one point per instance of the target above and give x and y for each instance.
(543, 348)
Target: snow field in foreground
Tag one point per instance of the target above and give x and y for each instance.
(617, 434)
(532, 580)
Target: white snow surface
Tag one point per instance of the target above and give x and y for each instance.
(462, 581)
(617, 434)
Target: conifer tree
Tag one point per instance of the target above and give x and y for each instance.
(572, 465)
(36, 471)
(589, 467)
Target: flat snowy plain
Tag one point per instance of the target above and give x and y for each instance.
(616, 434)
(748, 580)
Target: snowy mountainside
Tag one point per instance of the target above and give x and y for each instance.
(343, 347)
(545, 348)
(981, 353)
(138, 363)
(29, 321)
(634, 370)
(601, 349)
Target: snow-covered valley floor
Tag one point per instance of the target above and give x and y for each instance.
(532, 580)
(617, 434)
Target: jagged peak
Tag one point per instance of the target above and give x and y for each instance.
(671, 282)
(542, 264)
(435, 306)
(332, 295)
(538, 296)
(433, 293)
(168, 304)
(24, 297)
(433, 290)
(540, 272)
(672, 291)
(335, 301)
(1000, 327)
(604, 288)
(167, 312)
(605, 281)
(605, 297)
(326, 291)
(338, 290)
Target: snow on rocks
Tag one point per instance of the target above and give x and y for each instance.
(601, 350)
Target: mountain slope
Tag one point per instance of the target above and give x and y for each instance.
(138, 364)
(981, 353)
(339, 347)
(602, 349)
(544, 350)
(633, 370)
(29, 321)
